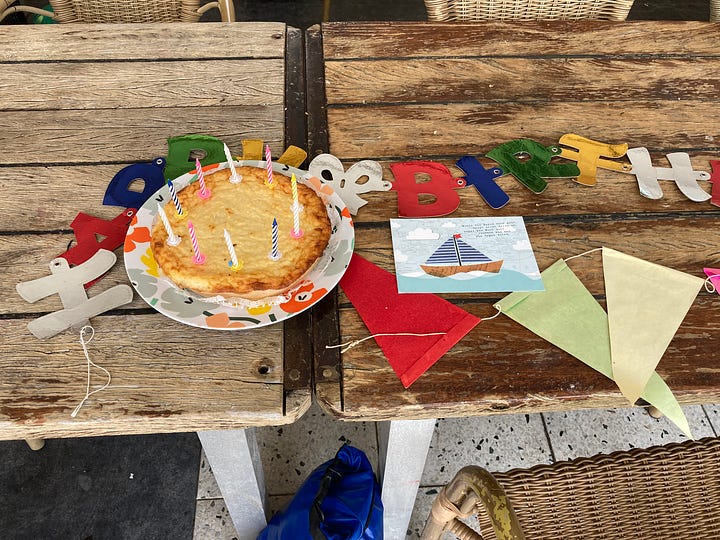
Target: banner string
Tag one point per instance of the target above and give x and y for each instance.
(90, 363)
(583, 253)
(350, 344)
(709, 285)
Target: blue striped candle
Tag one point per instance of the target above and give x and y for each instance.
(275, 252)
(175, 199)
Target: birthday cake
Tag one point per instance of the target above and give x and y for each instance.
(268, 259)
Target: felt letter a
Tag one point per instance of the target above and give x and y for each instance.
(529, 162)
(440, 185)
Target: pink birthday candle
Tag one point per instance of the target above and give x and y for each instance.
(268, 166)
(204, 192)
(198, 258)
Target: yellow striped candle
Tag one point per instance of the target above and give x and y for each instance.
(296, 232)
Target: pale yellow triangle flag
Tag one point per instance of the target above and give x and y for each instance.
(646, 303)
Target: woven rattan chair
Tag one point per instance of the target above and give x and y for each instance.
(125, 11)
(517, 10)
(664, 492)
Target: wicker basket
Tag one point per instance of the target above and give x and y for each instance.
(530, 10)
(126, 11)
(664, 492)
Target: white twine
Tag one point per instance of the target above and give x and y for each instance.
(583, 253)
(350, 344)
(88, 393)
(709, 285)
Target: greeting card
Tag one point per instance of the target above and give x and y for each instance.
(464, 255)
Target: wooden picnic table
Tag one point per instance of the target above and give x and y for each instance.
(79, 103)
(395, 92)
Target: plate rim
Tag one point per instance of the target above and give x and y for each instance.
(335, 203)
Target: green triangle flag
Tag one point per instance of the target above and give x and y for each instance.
(567, 315)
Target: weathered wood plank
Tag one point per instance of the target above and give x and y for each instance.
(24, 257)
(463, 128)
(41, 200)
(70, 85)
(684, 244)
(502, 367)
(165, 377)
(77, 136)
(407, 91)
(79, 103)
(415, 39)
(109, 42)
(432, 80)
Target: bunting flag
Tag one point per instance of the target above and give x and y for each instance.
(413, 330)
(714, 277)
(567, 315)
(646, 304)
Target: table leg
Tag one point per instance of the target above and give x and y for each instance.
(234, 457)
(404, 445)
(35, 444)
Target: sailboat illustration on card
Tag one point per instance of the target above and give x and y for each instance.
(455, 256)
(463, 255)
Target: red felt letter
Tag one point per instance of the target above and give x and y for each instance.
(441, 186)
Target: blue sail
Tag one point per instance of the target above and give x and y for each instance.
(445, 254)
(470, 255)
(454, 251)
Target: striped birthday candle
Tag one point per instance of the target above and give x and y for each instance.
(275, 252)
(198, 258)
(175, 200)
(268, 166)
(204, 192)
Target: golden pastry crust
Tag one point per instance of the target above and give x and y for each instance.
(246, 210)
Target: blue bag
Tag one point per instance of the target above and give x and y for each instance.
(340, 500)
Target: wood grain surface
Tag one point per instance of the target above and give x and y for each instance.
(166, 377)
(132, 42)
(408, 91)
(79, 103)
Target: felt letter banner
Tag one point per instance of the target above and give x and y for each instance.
(646, 303)
(440, 185)
(569, 317)
(373, 292)
(589, 156)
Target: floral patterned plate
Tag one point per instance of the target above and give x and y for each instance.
(187, 307)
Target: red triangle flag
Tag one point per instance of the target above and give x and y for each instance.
(373, 292)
